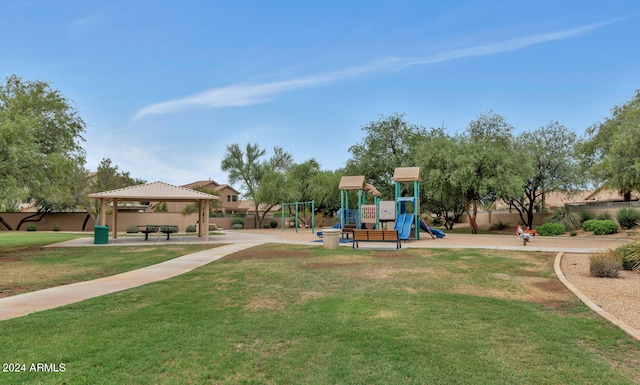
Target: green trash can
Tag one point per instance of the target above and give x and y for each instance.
(100, 235)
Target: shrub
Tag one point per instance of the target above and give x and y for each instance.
(628, 218)
(266, 226)
(273, 224)
(567, 218)
(588, 224)
(190, 229)
(604, 216)
(550, 229)
(31, 227)
(499, 226)
(585, 216)
(56, 228)
(132, 229)
(605, 227)
(237, 221)
(237, 226)
(605, 265)
(630, 255)
(573, 233)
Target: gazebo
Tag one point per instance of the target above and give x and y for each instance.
(155, 192)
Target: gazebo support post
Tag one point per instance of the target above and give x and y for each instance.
(115, 218)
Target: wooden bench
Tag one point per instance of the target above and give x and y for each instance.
(347, 231)
(168, 229)
(147, 229)
(376, 236)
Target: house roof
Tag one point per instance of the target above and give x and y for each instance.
(154, 192)
(201, 183)
(249, 205)
(604, 194)
(215, 185)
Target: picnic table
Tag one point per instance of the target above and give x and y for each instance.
(168, 229)
(147, 229)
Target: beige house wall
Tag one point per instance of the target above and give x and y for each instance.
(227, 206)
(486, 218)
(74, 221)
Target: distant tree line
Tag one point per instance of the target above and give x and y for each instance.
(42, 160)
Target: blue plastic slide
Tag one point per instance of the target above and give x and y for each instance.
(403, 225)
(437, 233)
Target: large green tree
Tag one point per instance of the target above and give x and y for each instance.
(40, 145)
(441, 193)
(611, 149)
(305, 182)
(548, 157)
(488, 165)
(109, 177)
(248, 168)
(388, 143)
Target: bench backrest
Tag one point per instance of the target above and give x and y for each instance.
(375, 235)
(390, 235)
(359, 234)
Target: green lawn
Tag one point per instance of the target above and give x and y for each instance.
(26, 266)
(306, 315)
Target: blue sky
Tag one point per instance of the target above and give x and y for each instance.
(165, 86)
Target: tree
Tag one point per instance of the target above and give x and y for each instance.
(550, 151)
(388, 143)
(440, 194)
(247, 168)
(305, 182)
(612, 149)
(109, 178)
(487, 165)
(40, 151)
(193, 207)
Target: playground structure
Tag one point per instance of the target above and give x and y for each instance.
(404, 211)
(307, 208)
(410, 219)
(406, 220)
(365, 213)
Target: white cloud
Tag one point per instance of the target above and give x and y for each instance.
(248, 94)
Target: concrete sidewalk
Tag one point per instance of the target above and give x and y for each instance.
(23, 304)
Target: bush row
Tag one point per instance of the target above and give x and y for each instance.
(600, 227)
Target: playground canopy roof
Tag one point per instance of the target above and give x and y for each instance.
(357, 182)
(373, 190)
(406, 174)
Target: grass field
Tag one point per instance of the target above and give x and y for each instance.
(305, 315)
(26, 266)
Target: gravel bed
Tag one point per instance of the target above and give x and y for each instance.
(620, 296)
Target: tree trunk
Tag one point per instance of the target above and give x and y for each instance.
(5, 224)
(472, 215)
(258, 221)
(41, 215)
(84, 224)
